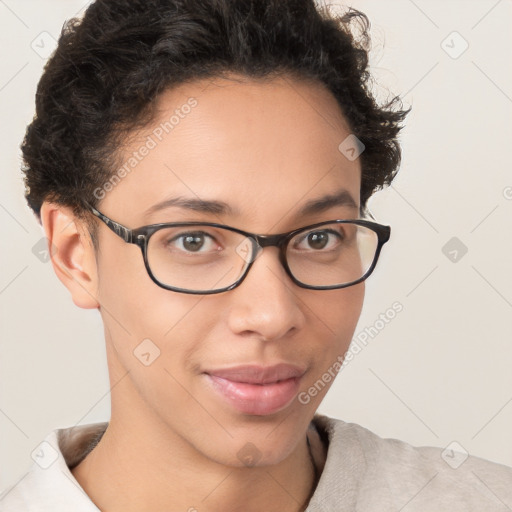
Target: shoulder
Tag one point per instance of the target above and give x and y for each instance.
(387, 473)
(49, 484)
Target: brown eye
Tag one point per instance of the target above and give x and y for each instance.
(192, 242)
(318, 240)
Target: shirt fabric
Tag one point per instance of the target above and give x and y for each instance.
(363, 472)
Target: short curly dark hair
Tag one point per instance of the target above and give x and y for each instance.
(110, 65)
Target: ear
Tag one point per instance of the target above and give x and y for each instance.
(72, 253)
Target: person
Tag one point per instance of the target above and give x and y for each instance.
(201, 171)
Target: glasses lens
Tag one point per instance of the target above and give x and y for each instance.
(205, 258)
(198, 258)
(332, 254)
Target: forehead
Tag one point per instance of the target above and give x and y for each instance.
(265, 147)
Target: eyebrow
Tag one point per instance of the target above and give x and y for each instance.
(314, 206)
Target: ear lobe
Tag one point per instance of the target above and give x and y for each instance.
(72, 253)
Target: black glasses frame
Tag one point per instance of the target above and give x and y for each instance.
(140, 237)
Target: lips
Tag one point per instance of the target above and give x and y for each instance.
(258, 374)
(255, 389)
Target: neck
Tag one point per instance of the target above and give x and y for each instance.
(124, 474)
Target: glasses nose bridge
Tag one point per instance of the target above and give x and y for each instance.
(263, 241)
(270, 240)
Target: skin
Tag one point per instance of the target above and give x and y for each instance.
(265, 147)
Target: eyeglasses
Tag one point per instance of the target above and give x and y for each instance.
(206, 258)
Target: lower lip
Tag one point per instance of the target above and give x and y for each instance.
(260, 399)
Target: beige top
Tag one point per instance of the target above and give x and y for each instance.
(362, 473)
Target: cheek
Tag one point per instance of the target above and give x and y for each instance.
(336, 317)
(338, 311)
(135, 309)
(351, 304)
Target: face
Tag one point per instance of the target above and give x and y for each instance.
(265, 148)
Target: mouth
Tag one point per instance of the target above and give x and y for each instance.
(257, 390)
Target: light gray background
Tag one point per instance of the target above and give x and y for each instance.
(440, 370)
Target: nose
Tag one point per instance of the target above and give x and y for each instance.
(266, 302)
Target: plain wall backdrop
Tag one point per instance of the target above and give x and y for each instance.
(439, 371)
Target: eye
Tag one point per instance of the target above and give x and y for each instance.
(192, 241)
(318, 240)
